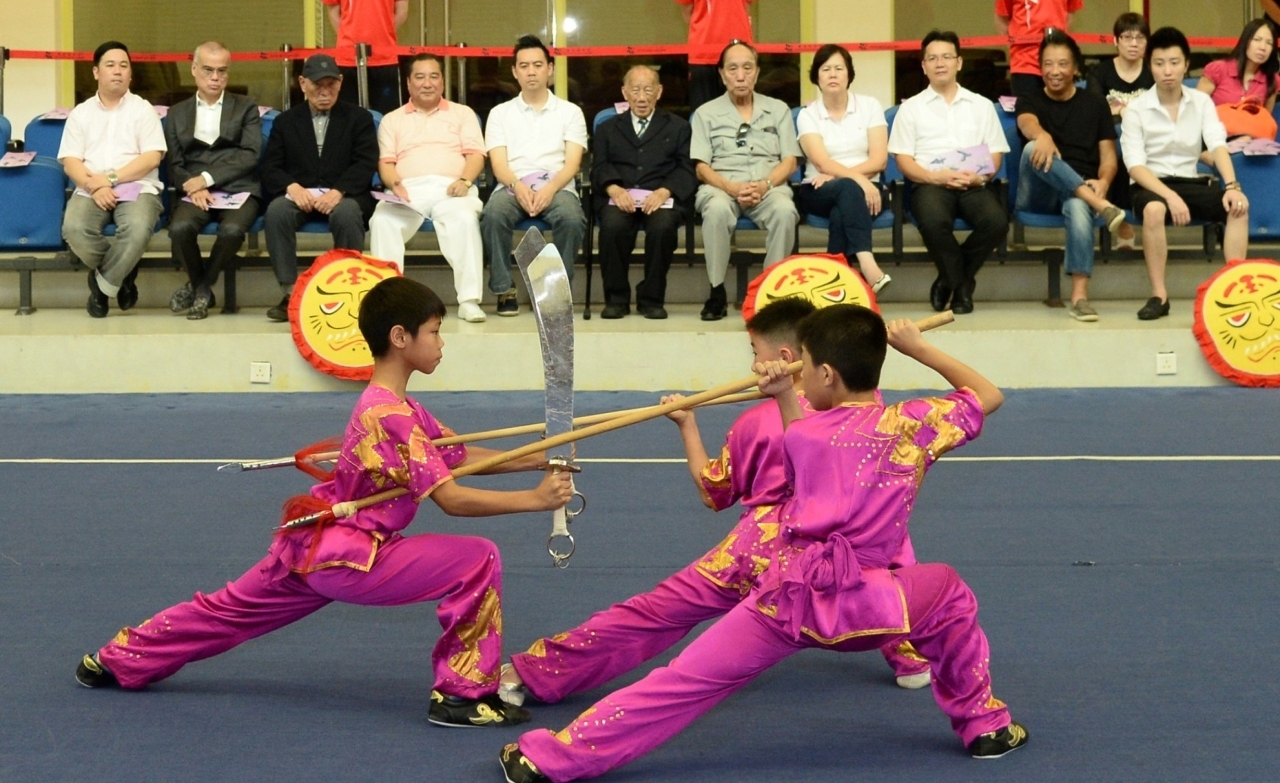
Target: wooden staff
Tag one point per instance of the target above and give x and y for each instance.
(347, 508)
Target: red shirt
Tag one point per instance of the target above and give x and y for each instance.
(366, 21)
(1032, 18)
(713, 25)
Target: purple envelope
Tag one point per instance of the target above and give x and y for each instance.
(638, 195)
(14, 160)
(536, 181)
(975, 159)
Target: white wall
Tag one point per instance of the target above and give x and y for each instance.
(30, 86)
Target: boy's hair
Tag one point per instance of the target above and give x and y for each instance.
(946, 36)
(1056, 37)
(850, 338)
(102, 50)
(1130, 22)
(778, 321)
(1168, 38)
(396, 301)
(531, 42)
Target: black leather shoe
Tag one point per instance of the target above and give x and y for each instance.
(717, 305)
(962, 300)
(127, 297)
(279, 313)
(98, 304)
(655, 313)
(939, 295)
(200, 307)
(612, 311)
(1153, 309)
(182, 298)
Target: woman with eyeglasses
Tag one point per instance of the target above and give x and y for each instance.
(846, 145)
(1249, 72)
(1121, 79)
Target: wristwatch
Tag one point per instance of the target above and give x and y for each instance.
(1231, 186)
(113, 178)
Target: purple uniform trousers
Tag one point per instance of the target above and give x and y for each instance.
(463, 573)
(636, 719)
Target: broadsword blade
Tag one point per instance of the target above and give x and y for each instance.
(548, 283)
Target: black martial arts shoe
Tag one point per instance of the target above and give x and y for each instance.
(517, 768)
(939, 295)
(995, 744)
(455, 711)
(92, 674)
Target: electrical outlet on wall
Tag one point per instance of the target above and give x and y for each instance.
(1166, 363)
(259, 372)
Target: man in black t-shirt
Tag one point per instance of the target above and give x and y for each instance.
(1069, 161)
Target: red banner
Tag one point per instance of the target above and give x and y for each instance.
(646, 50)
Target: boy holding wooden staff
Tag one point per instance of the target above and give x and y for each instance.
(855, 466)
(362, 558)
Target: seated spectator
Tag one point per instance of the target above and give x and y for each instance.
(535, 143)
(215, 140)
(943, 119)
(744, 144)
(641, 162)
(111, 150)
(1162, 135)
(1119, 80)
(319, 165)
(845, 141)
(1255, 57)
(1069, 160)
(431, 153)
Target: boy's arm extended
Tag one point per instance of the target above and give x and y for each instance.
(554, 491)
(694, 452)
(905, 337)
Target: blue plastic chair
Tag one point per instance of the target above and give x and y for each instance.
(37, 227)
(1259, 178)
(6, 133)
(43, 137)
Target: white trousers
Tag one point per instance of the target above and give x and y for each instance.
(457, 222)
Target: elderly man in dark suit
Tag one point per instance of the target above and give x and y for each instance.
(319, 164)
(643, 178)
(214, 139)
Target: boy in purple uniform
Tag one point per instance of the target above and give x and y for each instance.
(749, 470)
(362, 558)
(855, 466)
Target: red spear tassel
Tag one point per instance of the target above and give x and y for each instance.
(302, 459)
(300, 506)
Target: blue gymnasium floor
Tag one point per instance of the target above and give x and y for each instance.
(1157, 663)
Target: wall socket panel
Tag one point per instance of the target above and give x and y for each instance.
(259, 372)
(1166, 363)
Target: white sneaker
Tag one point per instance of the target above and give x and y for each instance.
(881, 283)
(510, 688)
(913, 682)
(470, 312)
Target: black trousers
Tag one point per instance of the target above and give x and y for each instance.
(704, 85)
(185, 226)
(618, 232)
(935, 209)
(384, 87)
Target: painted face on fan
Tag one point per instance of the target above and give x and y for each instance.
(1242, 315)
(822, 281)
(329, 311)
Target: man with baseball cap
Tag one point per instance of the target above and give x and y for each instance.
(319, 165)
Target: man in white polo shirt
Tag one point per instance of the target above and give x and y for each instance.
(430, 153)
(946, 118)
(535, 143)
(111, 149)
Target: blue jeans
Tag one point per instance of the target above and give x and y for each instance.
(498, 222)
(1050, 193)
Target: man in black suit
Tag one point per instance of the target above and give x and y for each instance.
(319, 165)
(215, 139)
(643, 177)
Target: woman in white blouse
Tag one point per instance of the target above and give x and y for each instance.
(845, 141)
